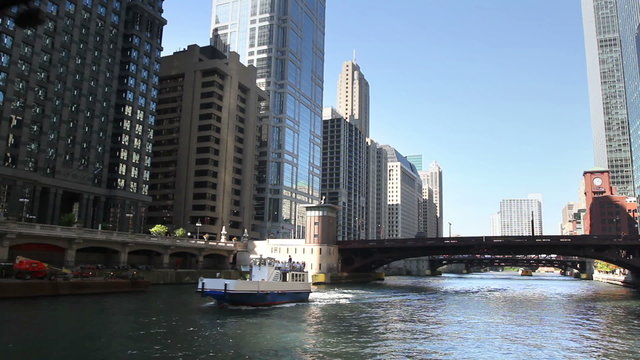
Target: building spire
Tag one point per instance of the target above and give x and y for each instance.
(354, 56)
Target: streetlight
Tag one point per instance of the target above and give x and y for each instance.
(24, 202)
(198, 224)
(449, 229)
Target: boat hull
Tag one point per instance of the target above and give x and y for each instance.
(257, 299)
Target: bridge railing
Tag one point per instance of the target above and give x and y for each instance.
(11, 227)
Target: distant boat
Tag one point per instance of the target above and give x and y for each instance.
(270, 283)
(526, 272)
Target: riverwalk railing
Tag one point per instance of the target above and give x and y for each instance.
(32, 229)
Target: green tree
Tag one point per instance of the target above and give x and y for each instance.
(604, 266)
(159, 230)
(68, 219)
(180, 232)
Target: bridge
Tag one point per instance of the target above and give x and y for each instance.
(526, 261)
(71, 246)
(363, 256)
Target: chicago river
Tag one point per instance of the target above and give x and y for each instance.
(476, 316)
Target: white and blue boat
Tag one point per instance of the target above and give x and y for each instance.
(270, 283)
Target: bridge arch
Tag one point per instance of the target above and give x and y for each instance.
(108, 256)
(215, 260)
(144, 257)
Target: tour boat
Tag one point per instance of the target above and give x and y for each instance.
(269, 283)
(526, 272)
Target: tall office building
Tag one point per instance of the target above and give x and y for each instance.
(404, 196)
(521, 216)
(416, 160)
(353, 96)
(429, 208)
(376, 189)
(284, 40)
(629, 26)
(78, 96)
(495, 226)
(204, 147)
(435, 183)
(608, 96)
(344, 154)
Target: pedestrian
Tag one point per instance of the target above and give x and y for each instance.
(290, 260)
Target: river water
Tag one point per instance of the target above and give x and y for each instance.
(477, 316)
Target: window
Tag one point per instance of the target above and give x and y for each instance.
(52, 8)
(4, 59)
(6, 40)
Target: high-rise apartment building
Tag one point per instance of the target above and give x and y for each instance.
(429, 208)
(344, 184)
(353, 96)
(404, 196)
(78, 98)
(606, 63)
(521, 216)
(204, 148)
(284, 40)
(435, 183)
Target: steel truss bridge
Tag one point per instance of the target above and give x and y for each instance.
(526, 261)
(359, 256)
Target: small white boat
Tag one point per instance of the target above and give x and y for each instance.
(270, 283)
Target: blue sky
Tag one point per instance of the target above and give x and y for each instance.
(494, 90)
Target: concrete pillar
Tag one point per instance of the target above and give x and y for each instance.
(82, 210)
(4, 251)
(70, 257)
(124, 255)
(50, 201)
(165, 260)
(89, 218)
(35, 210)
(199, 261)
(56, 207)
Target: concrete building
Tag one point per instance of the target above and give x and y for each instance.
(205, 143)
(284, 40)
(606, 211)
(435, 183)
(353, 96)
(79, 93)
(344, 175)
(521, 216)
(495, 225)
(404, 196)
(378, 190)
(608, 91)
(429, 209)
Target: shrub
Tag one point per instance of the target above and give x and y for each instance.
(159, 230)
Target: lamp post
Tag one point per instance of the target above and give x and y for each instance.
(198, 224)
(449, 229)
(24, 202)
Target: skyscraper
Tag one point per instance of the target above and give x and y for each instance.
(353, 96)
(521, 216)
(79, 93)
(629, 23)
(205, 147)
(607, 91)
(435, 183)
(284, 40)
(416, 160)
(404, 196)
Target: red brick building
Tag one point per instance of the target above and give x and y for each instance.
(607, 212)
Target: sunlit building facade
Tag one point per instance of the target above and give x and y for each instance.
(284, 40)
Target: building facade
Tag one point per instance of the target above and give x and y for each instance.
(606, 211)
(629, 27)
(435, 183)
(344, 175)
(404, 197)
(78, 98)
(353, 96)
(608, 91)
(205, 143)
(284, 40)
(519, 217)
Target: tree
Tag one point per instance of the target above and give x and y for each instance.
(159, 230)
(68, 219)
(180, 232)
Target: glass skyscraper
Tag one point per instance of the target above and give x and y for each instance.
(284, 40)
(607, 92)
(629, 23)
